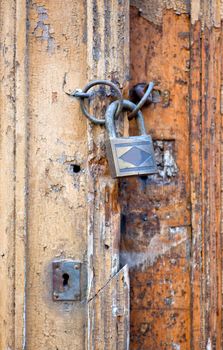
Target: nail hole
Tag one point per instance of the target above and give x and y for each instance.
(75, 168)
(65, 279)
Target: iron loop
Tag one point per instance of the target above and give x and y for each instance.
(111, 114)
(142, 101)
(80, 94)
(88, 87)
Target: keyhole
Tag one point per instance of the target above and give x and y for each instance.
(65, 279)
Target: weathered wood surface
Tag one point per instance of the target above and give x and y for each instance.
(175, 278)
(57, 209)
(171, 223)
(7, 162)
(206, 61)
(109, 314)
(49, 207)
(43, 213)
(156, 230)
(108, 58)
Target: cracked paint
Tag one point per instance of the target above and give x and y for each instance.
(153, 10)
(43, 30)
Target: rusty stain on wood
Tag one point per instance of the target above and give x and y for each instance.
(205, 82)
(156, 234)
(149, 207)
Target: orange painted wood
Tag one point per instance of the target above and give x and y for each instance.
(156, 235)
(171, 223)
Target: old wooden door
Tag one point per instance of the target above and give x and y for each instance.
(171, 222)
(58, 201)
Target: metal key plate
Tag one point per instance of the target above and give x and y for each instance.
(131, 156)
(66, 280)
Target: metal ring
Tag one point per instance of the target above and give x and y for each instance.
(101, 82)
(110, 116)
(142, 101)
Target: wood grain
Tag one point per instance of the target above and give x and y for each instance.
(108, 58)
(57, 208)
(46, 204)
(171, 223)
(197, 319)
(110, 314)
(206, 177)
(7, 175)
(156, 233)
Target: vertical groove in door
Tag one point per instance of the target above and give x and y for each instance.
(21, 89)
(7, 174)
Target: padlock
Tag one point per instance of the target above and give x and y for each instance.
(133, 155)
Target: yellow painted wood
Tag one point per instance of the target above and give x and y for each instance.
(21, 173)
(57, 204)
(50, 47)
(7, 160)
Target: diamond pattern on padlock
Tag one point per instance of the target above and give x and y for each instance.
(133, 155)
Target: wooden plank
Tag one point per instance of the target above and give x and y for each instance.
(195, 158)
(108, 58)
(50, 207)
(110, 309)
(203, 328)
(206, 176)
(57, 177)
(7, 175)
(156, 235)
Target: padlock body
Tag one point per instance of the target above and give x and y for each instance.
(131, 156)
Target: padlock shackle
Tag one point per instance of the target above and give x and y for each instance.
(110, 116)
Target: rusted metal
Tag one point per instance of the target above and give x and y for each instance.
(147, 94)
(80, 94)
(66, 280)
(137, 93)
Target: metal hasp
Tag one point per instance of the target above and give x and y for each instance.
(66, 280)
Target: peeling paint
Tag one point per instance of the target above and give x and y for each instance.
(165, 160)
(158, 249)
(170, 167)
(175, 346)
(153, 10)
(44, 31)
(210, 13)
(209, 347)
